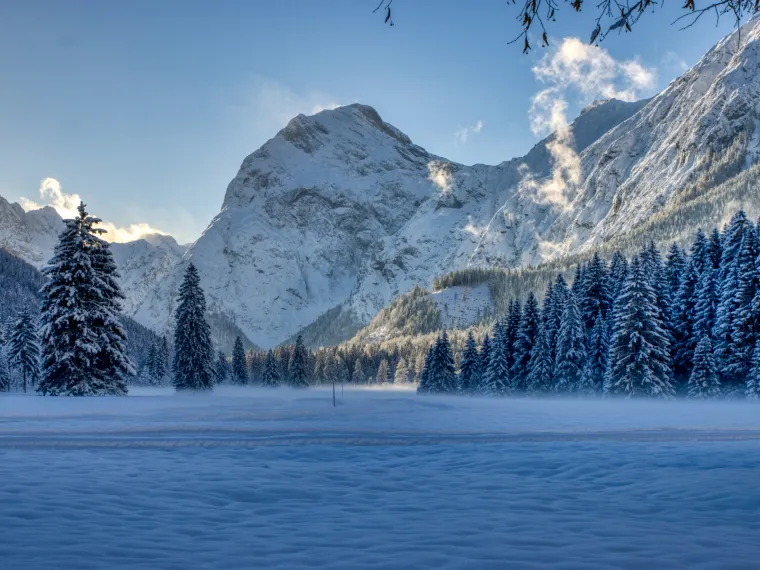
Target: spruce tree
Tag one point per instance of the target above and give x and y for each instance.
(299, 371)
(675, 270)
(357, 377)
(752, 384)
(271, 378)
(571, 349)
(383, 372)
(193, 355)
(149, 369)
(496, 375)
(597, 350)
(595, 294)
(6, 379)
(618, 274)
(445, 376)
(527, 332)
(221, 368)
(24, 347)
(540, 366)
(239, 364)
(715, 249)
(745, 327)
(162, 361)
(703, 381)
(484, 356)
(735, 239)
(402, 374)
(84, 350)
(426, 380)
(511, 326)
(469, 368)
(639, 363)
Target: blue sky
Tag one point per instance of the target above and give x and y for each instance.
(147, 108)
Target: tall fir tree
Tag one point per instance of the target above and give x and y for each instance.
(618, 273)
(426, 381)
(674, 272)
(383, 375)
(703, 381)
(192, 367)
(511, 326)
(84, 350)
(402, 375)
(715, 248)
(239, 364)
(540, 366)
(752, 384)
(571, 348)
(357, 376)
(496, 375)
(221, 368)
(595, 295)
(527, 333)
(299, 365)
(469, 368)
(639, 359)
(597, 349)
(271, 378)
(737, 233)
(24, 347)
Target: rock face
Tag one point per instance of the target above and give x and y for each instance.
(341, 211)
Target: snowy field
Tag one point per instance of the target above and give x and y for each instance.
(253, 479)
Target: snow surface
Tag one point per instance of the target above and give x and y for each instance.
(251, 479)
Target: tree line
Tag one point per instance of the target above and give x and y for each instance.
(688, 325)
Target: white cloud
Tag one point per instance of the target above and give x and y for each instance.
(585, 72)
(463, 133)
(52, 194)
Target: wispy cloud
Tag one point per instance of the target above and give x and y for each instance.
(463, 133)
(584, 72)
(52, 194)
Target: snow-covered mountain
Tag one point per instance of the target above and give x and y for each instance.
(30, 236)
(340, 212)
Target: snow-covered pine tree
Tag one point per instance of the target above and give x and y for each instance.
(111, 364)
(510, 329)
(639, 363)
(674, 271)
(496, 375)
(24, 347)
(705, 306)
(299, 365)
(578, 280)
(571, 348)
(715, 248)
(560, 291)
(746, 323)
(484, 357)
(239, 364)
(752, 385)
(653, 270)
(149, 369)
(527, 332)
(426, 381)
(403, 374)
(193, 355)
(383, 372)
(618, 273)
(594, 295)
(162, 361)
(83, 342)
(469, 367)
(6, 379)
(738, 230)
(271, 378)
(540, 366)
(703, 381)
(597, 350)
(357, 377)
(221, 368)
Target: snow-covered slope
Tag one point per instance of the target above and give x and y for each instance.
(29, 235)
